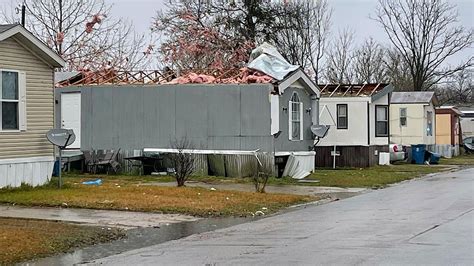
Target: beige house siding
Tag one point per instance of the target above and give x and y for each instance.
(39, 103)
(443, 131)
(412, 133)
(415, 130)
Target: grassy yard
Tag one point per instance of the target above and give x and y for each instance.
(373, 177)
(126, 193)
(22, 239)
(465, 159)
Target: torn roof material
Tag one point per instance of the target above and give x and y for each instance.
(266, 59)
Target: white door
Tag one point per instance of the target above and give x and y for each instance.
(71, 115)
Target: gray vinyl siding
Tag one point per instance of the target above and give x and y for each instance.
(283, 143)
(39, 103)
(221, 117)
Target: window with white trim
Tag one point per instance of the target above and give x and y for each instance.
(403, 117)
(12, 100)
(295, 117)
(381, 121)
(342, 117)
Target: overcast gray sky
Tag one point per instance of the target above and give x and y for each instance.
(347, 13)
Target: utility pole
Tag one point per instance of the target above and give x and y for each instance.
(23, 11)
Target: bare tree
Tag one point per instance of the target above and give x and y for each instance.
(397, 71)
(458, 89)
(368, 65)
(303, 33)
(183, 160)
(260, 171)
(425, 34)
(340, 58)
(84, 34)
(212, 34)
(219, 34)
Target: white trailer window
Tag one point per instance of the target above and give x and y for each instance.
(295, 117)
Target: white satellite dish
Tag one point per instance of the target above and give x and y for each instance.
(62, 138)
(320, 130)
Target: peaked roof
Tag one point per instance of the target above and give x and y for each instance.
(6, 27)
(425, 97)
(31, 42)
(302, 77)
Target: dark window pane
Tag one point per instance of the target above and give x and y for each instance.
(342, 122)
(341, 116)
(9, 85)
(403, 121)
(9, 115)
(382, 128)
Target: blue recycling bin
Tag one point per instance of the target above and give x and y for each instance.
(418, 153)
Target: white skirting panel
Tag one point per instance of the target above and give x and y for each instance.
(447, 150)
(33, 171)
(299, 164)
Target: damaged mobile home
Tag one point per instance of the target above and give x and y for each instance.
(225, 122)
(359, 118)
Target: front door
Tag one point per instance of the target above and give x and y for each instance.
(71, 115)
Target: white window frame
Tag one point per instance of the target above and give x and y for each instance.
(338, 115)
(405, 116)
(290, 117)
(21, 101)
(386, 121)
(429, 123)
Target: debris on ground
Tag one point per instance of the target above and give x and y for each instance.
(96, 182)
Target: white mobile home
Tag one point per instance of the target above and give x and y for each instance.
(412, 118)
(358, 116)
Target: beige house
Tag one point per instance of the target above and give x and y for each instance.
(27, 107)
(412, 118)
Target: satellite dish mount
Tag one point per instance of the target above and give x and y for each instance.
(61, 138)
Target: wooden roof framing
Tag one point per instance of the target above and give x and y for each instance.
(351, 90)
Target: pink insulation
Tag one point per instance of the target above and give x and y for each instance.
(246, 75)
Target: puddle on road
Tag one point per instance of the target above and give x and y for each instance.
(139, 238)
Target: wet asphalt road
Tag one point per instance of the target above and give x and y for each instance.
(429, 221)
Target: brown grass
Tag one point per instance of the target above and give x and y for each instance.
(128, 195)
(22, 239)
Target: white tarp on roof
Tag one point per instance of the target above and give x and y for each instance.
(267, 59)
